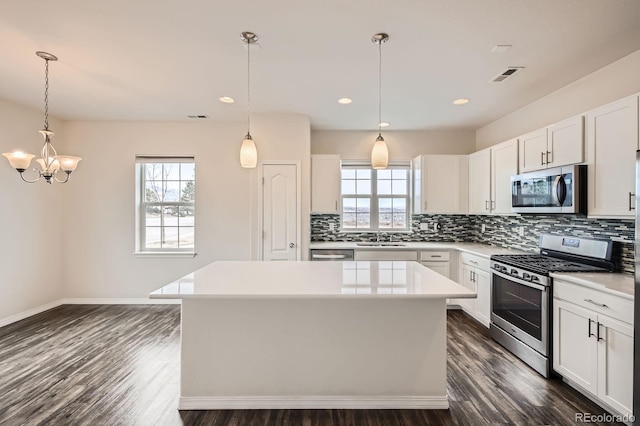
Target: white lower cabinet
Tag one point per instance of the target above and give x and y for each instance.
(591, 349)
(473, 273)
(438, 261)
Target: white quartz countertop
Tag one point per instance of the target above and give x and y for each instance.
(361, 279)
(615, 283)
(483, 250)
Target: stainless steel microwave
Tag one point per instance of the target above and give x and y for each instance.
(557, 190)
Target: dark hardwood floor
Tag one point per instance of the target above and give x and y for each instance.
(119, 365)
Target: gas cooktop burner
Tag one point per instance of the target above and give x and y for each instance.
(544, 264)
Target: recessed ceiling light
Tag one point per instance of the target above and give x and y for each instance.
(500, 48)
(345, 101)
(227, 100)
(384, 124)
(461, 101)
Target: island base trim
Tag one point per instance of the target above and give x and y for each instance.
(314, 402)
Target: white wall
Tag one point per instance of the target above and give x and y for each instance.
(402, 145)
(30, 218)
(99, 220)
(613, 82)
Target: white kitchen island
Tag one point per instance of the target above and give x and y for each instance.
(313, 335)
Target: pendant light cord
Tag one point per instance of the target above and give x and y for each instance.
(380, 88)
(248, 86)
(46, 94)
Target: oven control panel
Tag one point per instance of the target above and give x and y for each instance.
(519, 274)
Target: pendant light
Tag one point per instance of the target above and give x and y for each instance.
(248, 151)
(50, 162)
(380, 154)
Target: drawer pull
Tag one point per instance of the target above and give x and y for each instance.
(602, 305)
(473, 261)
(435, 255)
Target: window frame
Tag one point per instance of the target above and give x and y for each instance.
(374, 197)
(141, 205)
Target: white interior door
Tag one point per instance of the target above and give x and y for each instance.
(280, 212)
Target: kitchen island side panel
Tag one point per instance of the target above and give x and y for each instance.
(313, 353)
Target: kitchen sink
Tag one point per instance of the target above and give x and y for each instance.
(372, 244)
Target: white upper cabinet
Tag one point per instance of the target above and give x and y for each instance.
(440, 184)
(533, 150)
(612, 141)
(565, 142)
(490, 172)
(480, 182)
(325, 184)
(504, 164)
(554, 146)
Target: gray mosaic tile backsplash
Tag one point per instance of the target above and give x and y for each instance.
(499, 231)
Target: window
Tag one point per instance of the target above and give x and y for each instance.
(375, 200)
(166, 204)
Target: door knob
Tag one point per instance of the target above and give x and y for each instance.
(291, 245)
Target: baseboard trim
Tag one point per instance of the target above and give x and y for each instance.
(119, 301)
(313, 402)
(85, 301)
(29, 313)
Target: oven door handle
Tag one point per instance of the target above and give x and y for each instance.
(519, 281)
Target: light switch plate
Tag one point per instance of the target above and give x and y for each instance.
(332, 226)
(484, 228)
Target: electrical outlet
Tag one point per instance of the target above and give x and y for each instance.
(424, 226)
(483, 229)
(332, 226)
(521, 231)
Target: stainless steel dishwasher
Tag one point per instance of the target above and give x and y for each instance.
(331, 254)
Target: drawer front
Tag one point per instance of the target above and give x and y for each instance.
(386, 255)
(434, 256)
(589, 298)
(475, 261)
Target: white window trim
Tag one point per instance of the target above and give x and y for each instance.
(140, 216)
(374, 213)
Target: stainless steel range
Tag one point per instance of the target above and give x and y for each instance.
(521, 293)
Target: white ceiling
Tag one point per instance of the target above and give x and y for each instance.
(161, 60)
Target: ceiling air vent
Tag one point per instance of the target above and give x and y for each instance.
(198, 116)
(505, 74)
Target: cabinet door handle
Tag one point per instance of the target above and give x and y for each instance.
(425, 205)
(542, 158)
(589, 332)
(486, 204)
(549, 161)
(291, 245)
(598, 332)
(602, 305)
(493, 204)
(631, 206)
(336, 205)
(471, 276)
